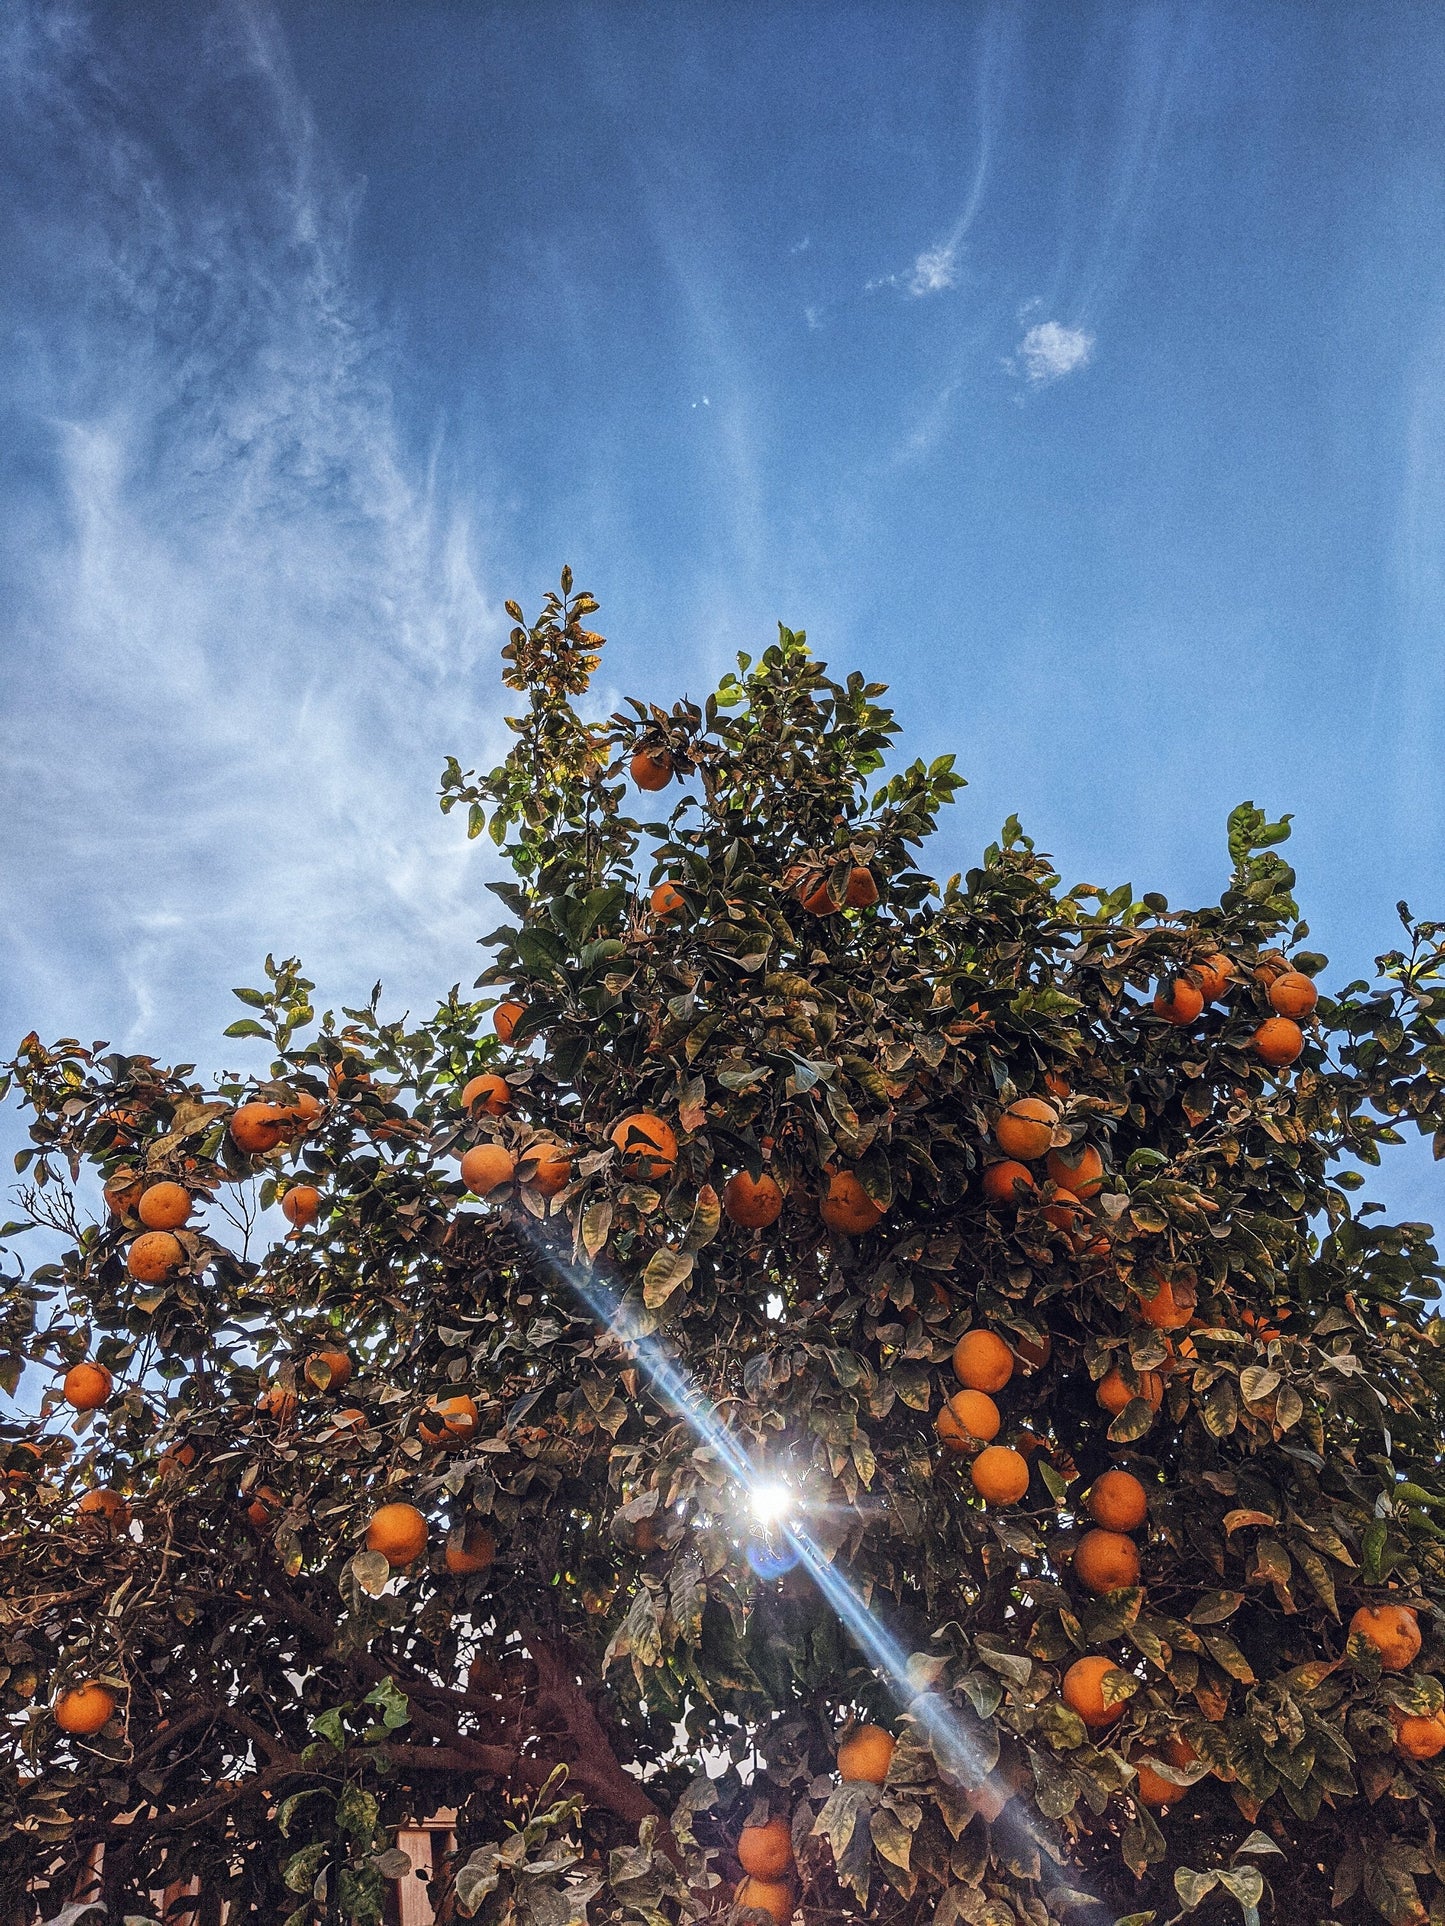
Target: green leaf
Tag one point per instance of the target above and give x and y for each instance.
(666, 1271)
(1192, 1887)
(245, 1027)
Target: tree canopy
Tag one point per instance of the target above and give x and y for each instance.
(885, 1387)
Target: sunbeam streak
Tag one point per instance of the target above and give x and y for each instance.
(775, 1510)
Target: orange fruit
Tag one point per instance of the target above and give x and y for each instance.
(179, 1458)
(338, 1363)
(1113, 1393)
(666, 899)
(257, 1128)
(487, 1167)
(398, 1532)
(647, 1147)
(982, 1361)
(490, 1094)
(1026, 1129)
(1106, 1561)
(817, 899)
(766, 1851)
(84, 1709)
(1079, 1170)
(1033, 1353)
(1170, 1308)
(1152, 1790)
(1118, 1501)
(153, 1257)
(862, 891)
(164, 1206)
(349, 1420)
(278, 1403)
(546, 1168)
(999, 1181)
(752, 1204)
(771, 1896)
(506, 1017)
(1000, 1475)
(845, 1206)
(469, 1551)
(301, 1205)
(1393, 1630)
(867, 1755)
(1215, 974)
(967, 1417)
(104, 1508)
(1064, 1212)
(1083, 1690)
(123, 1192)
(301, 1113)
(1417, 1737)
(1177, 1001)
(651, 769)
(1259, 1324)
(86, 1386)
(449, 1422)
(1278, 1040)
(1293, 995)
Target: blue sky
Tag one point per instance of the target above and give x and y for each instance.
(1080, 371)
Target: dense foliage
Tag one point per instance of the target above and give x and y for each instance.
(600, 1658)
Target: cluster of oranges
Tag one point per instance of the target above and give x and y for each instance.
(1292, 996)
(1394, 1632)
(765, 1851)
(983, 1364)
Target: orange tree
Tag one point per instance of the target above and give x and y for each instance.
(1009, 1232)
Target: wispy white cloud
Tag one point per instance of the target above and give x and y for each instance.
(1049, 351)
(246, 623)
(935, 269)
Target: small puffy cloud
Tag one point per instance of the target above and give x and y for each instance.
(935, 269)
(1049, 351)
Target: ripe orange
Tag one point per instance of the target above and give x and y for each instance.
(1026, 1129)
(105, 1509)
(1083, 1690)
(1079, 1169)
(753, 1205)
(1214, 975)
(771, 1896)
(490, 1094)
(506, 1017)
(300, 1115)
(1278, 1041)
(1113, 1393)
(766, 1851)
(546, 1168)
(999, 1181)
(1420, 1737)
(87, 1386)
(1177, 1001)
(84, 1709)
(398, 1532)
(338, 1363)
(164, 1206)
(153, 1257)
(666, 898)
(1000, 1475)
(487, 1167)
(1393, 1630)
(845, 1206)
(862, 891)
(1118, 1501)
(301, 1205)
(278, 1403)
(179, 1458)
(469, 1552)
(1033, 1353)
(1259, 1323)
(816, 898)
(1106, 1561)
(1170, 1308)
(867, 1755)
(349, 1420)
(257, 1128)
(1152, 1790)
(123, 1192)
(651, 768)
(449, 1422)
(982, 1361)
(967, 1417)
(647, 1147)
(1064, 1212)
(1293, 995)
